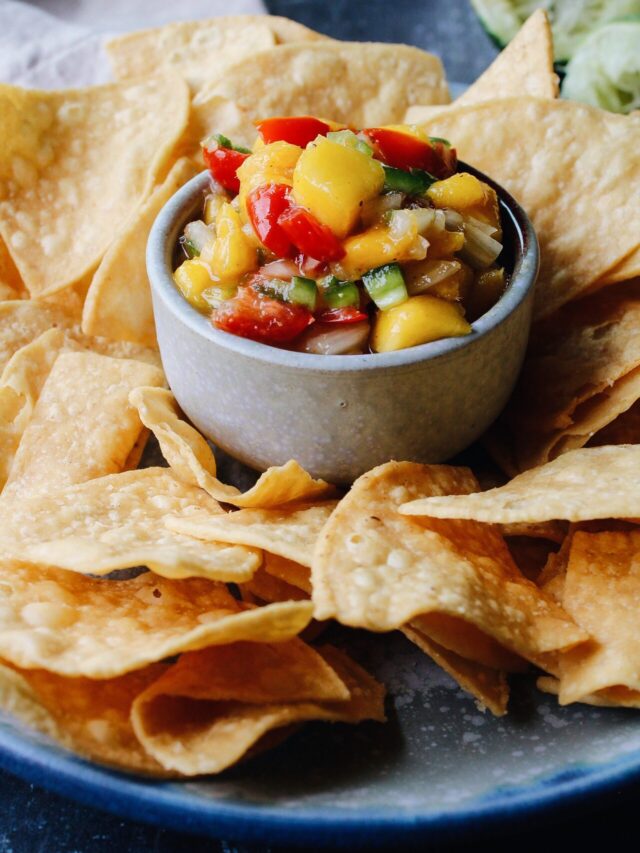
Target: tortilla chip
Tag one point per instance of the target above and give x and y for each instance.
(598, 482)
(579, 159)
(11, 285)
(82, 426)
(360, 84)
(375, 569)
(77, 626)
(290, 531)
(87, 716)
(200, 50)
(194, 726)
(489, 686)
(121, 526)
(624, 271)
(292, 573)
(192, 460)
(77, 163)
(265, 587)
(531, 554)
(615, 697)
(216, 115)
(602, 593)
(118, 303)
(21, 321)
(625, 429)
(581, 371)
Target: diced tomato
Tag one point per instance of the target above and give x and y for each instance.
(298, 131)
(264, 206)
(223, 164)
(309, 235)
(403, 151)
(252, 314)
(342, 315)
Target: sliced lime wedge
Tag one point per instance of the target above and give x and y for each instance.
(571, 20)
(605, 70)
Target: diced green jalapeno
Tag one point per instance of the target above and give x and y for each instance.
(415, 182)
(349, 139)
(385, 285)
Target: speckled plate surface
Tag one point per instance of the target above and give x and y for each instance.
(438, 768)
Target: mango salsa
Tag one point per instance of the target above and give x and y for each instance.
(419, 320)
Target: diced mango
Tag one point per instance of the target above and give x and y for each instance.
(234, 254)
(467, 194)
(333, 181)
(212, 205)
(379, 245)
(270, 164)
(417, 321)
(409, 130)
(192, 278)
(443, 244)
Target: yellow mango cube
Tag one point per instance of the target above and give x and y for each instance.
(379, 245)
(234, 254)
(469, 195)
(192, 278)
(333, 181)
(417, 321)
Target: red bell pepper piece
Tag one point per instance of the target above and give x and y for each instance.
(298, 131)
(223, 164)
(252, 314)
(264, 206)
(348, 314)
(309, 235)
(403, 151)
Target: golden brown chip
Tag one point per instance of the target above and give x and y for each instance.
(75, 164)
(267, 587)
(82, 426)
(376, 569)
(581, 371)
(192, 460)
(614, 697)
(290, 531)
(121, 525)
(118, 303)
(602, 593)
(624, 271)
(597, 482)
(76, 626)
(625, 429)
(292, 573)
(359, 84)
(579, 159)
(193, 726)
(21, 321)
(11, 285)
(489, 686)
(200, 50)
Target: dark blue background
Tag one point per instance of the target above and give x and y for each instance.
(35, 821)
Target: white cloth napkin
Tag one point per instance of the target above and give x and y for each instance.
(51, 44)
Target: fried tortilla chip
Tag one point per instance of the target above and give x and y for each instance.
(267, 587)
(292, 573)
(376, 569)
(76, 626)
(290, 531)
(192, 460)
(11, 285)
(602, 593)
(581, 371)
(360, 84)
(597, 482)
(82, 426)
(192, 725)
(75, 164)
(625, 429)
(118, 303)
(614, 697)
(624, 271)
(578, 159)
(21, 321)
(200, 50)
(488, 686)
(121, 526)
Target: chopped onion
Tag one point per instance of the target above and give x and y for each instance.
(480, 250)
(486, 227)
(198, 234)
(425, 217)
(284, 269)
(330, 339)
(420, 277)
(374, 209)
(454, 221)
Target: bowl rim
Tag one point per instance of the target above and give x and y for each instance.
(176, 212)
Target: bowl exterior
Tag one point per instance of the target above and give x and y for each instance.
(338, 416)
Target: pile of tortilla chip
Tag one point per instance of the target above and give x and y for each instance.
(193, 659)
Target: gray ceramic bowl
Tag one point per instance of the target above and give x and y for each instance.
(340, 415)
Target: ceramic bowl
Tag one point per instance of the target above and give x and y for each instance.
(340, 415)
